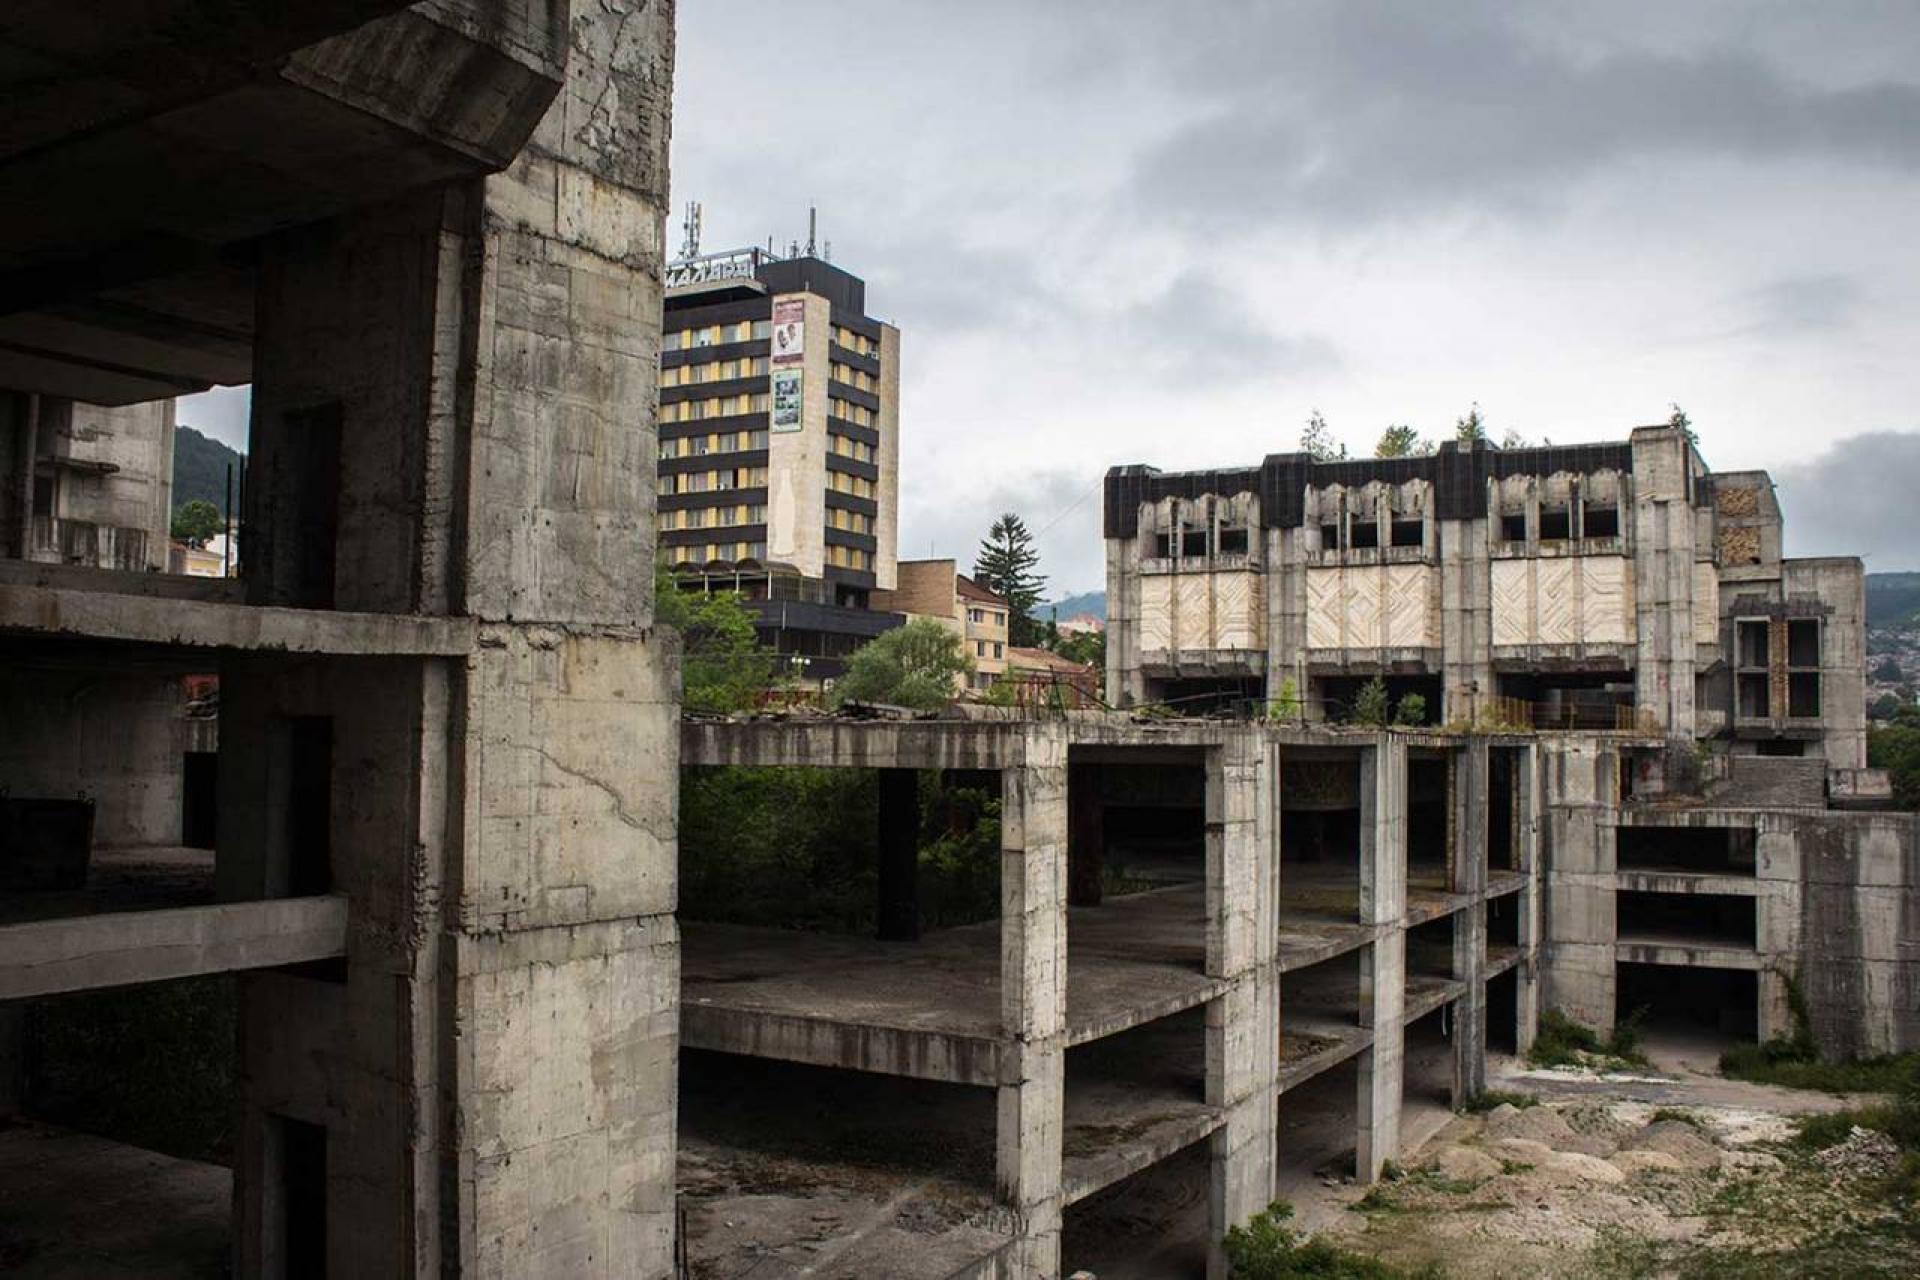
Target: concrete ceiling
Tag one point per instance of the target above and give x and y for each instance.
(147, 145)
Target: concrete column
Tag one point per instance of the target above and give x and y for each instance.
(1383, 995)
(1466, 617)
(899, 849)
(1033, 998)
(1087, 836)
(1383, 966)
(1243, 1026)
(13, 1028)
(1527, 859)
(1577, 953)
(1471, 776)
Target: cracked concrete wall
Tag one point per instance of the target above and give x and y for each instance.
(500, 1078)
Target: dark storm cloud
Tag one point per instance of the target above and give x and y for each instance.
(1352, 112)
(1857, 498)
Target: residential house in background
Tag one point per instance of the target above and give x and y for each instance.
(937, 589)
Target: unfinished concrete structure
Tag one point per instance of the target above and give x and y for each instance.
(430, 237)
(1571, 588)
(1082, 1039)
(1591, 584)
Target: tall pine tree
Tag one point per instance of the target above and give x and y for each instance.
(1006, 566)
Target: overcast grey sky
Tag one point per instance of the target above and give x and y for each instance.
(1149, 232)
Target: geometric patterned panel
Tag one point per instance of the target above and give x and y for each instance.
(1513, 602)
(1554, 602)
(1740, 546)
(1363, 608)
(1606, 599)
(1191, 615)
(1411, 622)
(1234, 622)
(1156, 611)
(1326, 608)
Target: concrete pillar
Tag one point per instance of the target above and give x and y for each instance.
(1033, 998)
(1087, 837)
(13, 1032)
(1243, 1025)
(899, 849)
(1383, 965)
(453, 415)
(1527, 859)
(1577, 952)
(1471, 776)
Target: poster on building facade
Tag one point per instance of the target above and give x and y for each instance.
(785, 403)
(789, 330)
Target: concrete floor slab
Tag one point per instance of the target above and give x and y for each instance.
(931, 1009)
(77, 1207)
(1134, 1099)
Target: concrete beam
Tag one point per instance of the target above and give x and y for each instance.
(122, 948)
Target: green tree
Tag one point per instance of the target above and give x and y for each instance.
(1401, 441)
(1371, 705)
(1888, 672)
(1514, 440)
(1317, 440)
(1411, 711)
(1008, 565)
(912, 666)
(196, 521)
(1471, 428)
(1680, 422)
(723, 665)
(1089, 647)
(1895, 747)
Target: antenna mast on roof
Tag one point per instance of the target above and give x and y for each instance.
(690, 229)
(813, 220)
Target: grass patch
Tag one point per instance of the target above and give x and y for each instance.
(1481, 1103)
(1680, 1115)
(1267, 1248)
(1564, 1042)
(1786, 1062)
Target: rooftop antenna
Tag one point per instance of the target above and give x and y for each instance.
(690, 228)
(813, 219)
(826, 252)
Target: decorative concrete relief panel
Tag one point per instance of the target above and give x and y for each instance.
(1238, 621)
(1326, 608)
(1731, 501)
(1156, 612)
(1410, 621)
(1555, 613)
(1192, 616)
(1512, 602)
(1362, 592)
(1740, 546)
(1605, 600)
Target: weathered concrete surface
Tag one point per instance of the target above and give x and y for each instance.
(120, 948)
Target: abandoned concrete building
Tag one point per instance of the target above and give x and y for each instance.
(429, 853)
(442, 856)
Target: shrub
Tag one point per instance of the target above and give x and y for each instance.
(1269, 1249)
(1563, 1042)
(1481, 1103)
(917, 665)
(1412, 710)
(1370, 705)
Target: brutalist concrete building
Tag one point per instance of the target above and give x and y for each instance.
(429, 237)
(1592, 583)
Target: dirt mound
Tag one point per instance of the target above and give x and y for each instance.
(1635, 1162)
(1543, 1124)
(1680, 1140)
(1576, 1167)
(1464, 1164)
(1863, 1153)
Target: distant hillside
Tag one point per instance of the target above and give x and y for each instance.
(1893, 599)
(1093, 602)
(200, 469)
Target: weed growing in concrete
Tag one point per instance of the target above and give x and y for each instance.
(1680, 1115)
(1481, 1103)
(1267, 1248)
(1564, 1042)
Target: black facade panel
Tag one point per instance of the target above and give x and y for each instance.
(691, 313)
(1459, 477)
(714, 461)
(812, 275)
(849, 502)
(853, 431)
(719, 351)
(755, 384)
(854, 395)
(852, 467)
(713, 498)
(847, 538)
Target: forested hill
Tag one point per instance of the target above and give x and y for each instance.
(1893, 599)
(200, 469)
